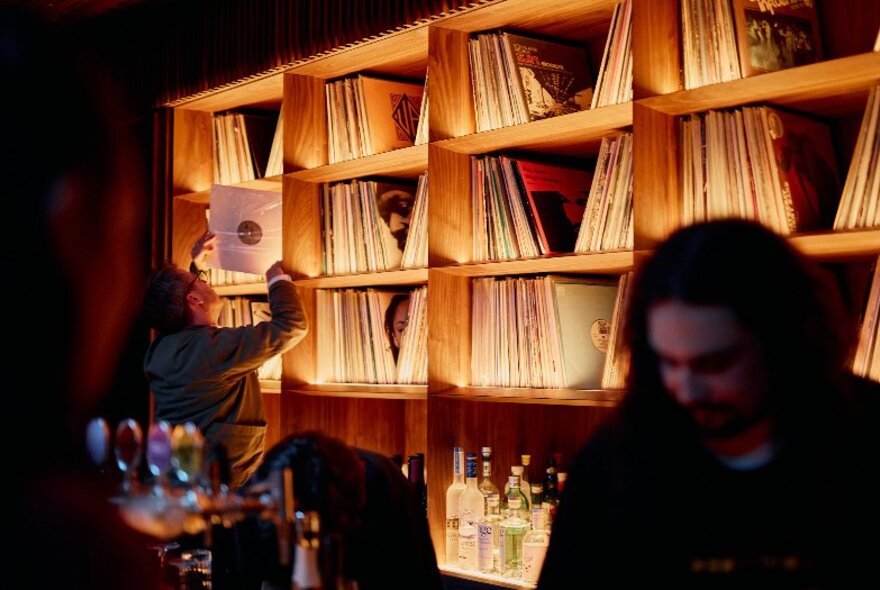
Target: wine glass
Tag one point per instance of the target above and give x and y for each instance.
(159, 454)
(98, 442)
(187, 446)
(129, 443)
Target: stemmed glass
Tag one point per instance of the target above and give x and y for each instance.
(98, 442)
(129, 444)
(187, 445)
(159, 455)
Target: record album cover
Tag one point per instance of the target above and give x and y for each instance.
(248, 226)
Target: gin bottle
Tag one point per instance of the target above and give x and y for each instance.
(513, 530)
(487, 488)
(471, 510)
(535, 546)
(489, 535)
(524, 481)
(516, 470)
(453, 494)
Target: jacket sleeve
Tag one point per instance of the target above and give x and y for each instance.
(241, 350)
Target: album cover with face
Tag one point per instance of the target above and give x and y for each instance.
(247, 222)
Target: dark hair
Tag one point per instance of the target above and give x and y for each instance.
(396, 300)
(165, 307)
(779, 295)
(328, 477)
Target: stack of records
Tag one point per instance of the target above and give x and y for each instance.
(729, 39)
(365, 225)
(617, 360)
(517, 79)
(524, 209)
(614, 82)
(867, 356)
(361, 333)
(759, 163)
(367, 115)
(241, 145)
(608, 219)
(412, 359)
(861, 193)
(545, 332)
(415, 252)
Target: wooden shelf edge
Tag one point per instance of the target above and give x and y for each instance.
(409, 161)
(414, 276)
(270, 386)
(522, 395)
(822, 80)
(361, 390)
(604, 262)
(492, 579)
(571, 129)
(241, 289)
(843, 244)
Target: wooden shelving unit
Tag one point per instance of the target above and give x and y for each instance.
(447, 411)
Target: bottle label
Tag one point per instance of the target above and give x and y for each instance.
(487, 469)
(515, 502)
(485, 545)
(452, 540)
(467, 548)
(533, 560)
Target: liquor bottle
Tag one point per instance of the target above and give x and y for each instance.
(524, 481)
(516, 470)
(513, 530)
(453, 495)
(486, 486)
(551, 484)
(537, 494)
(306, 571)
(489, 536)
(416, 476)
(471, 509)
(535, 546)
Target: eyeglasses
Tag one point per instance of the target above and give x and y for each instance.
(201, 275)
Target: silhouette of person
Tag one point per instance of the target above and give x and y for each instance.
(74, 262)
(744, 453)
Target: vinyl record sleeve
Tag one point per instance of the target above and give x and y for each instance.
(248, 227)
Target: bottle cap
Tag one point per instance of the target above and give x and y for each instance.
(526, 459)
(516, 469)
(537, 488)
(486, 450)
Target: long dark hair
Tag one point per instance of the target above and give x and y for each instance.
(779, 295)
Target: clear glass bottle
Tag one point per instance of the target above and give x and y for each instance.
(516, 470)
(471, 509)
(513, 530)
(453, 495)
(537, 494)
(489, 536)
(524, 481)
(535, 545)
(486, 486)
